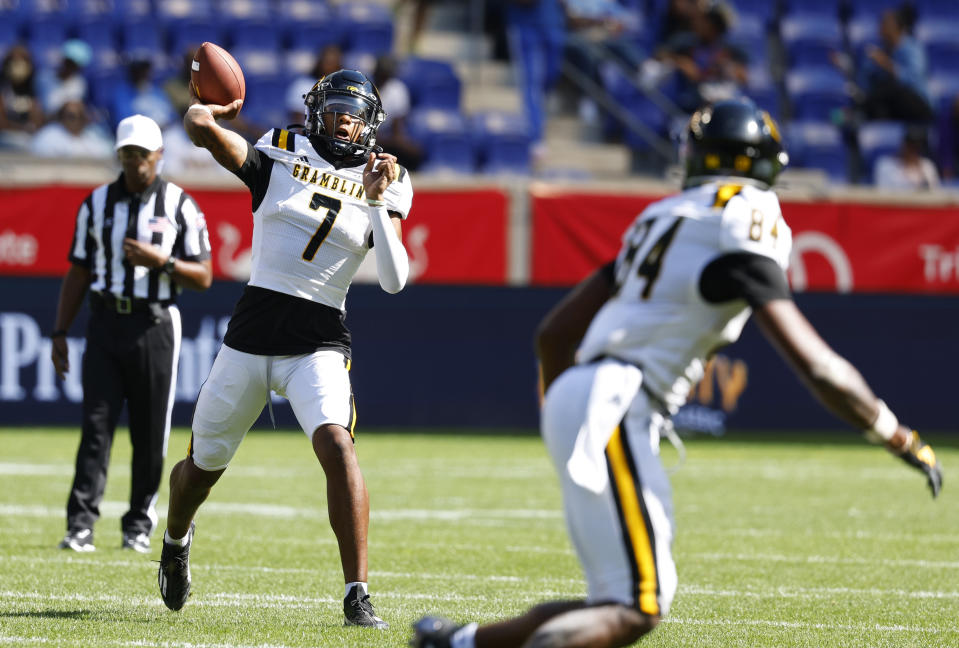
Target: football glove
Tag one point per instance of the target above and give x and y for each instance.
(918, 454)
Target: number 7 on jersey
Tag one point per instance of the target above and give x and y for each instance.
(332, 206)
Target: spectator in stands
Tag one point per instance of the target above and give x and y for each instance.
(600, 32)
(392, 135)
(140, 94)
(20, 111)
(909, 168)
(65, 83)
(892, 77)
(329, 60)
(537, 33)
(708, 68)
(421, 12)
(73, 136)
(679, 17)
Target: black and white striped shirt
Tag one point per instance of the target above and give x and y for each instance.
(163, 215)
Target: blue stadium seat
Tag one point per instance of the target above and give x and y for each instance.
(234, 13)
(264, 104)
(100, 34)
(748, 33)
(253, 35)
(940, 37)
(817, 145)
(875, 7)
(46, 37)
(937, 9)
(862, 30)
(126, 11)
(432, 83)
(445, 140)
(765, 11)
(943, 57)
(368, 27)
(9, 32)
(943, 90)
(815, 92)
(307, 14)
(502, 142)
(258, 63)
(879, 138)
(824, 8)
(809, 38)
(192, 34)
(173, 13)
(140, 35)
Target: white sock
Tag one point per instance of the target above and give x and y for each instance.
(181, 542)
(363, 588)
(465, 637)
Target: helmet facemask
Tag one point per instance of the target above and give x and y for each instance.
(320, 101)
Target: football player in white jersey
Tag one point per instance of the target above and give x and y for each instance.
(321, 199)
(692, 269)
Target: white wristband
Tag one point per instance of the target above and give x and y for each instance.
(884, 427)
(201, 107)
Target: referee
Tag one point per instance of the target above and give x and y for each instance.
(138, 240)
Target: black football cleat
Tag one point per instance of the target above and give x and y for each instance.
(433, 632)
(359, 611)
(174, 573)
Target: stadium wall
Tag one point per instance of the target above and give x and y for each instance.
(442, 355)
(489, 259)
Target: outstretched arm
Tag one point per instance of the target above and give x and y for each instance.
(228, 148)
(840, 386)
(564, 326)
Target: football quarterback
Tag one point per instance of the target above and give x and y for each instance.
(321, 199)
(692, 269)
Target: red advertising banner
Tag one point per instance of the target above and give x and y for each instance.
(843, 247)
(452, 236)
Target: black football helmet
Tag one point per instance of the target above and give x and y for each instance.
(733, 138)
(349, 92)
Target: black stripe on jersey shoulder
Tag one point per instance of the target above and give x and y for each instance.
(276, 136)
(725, 193)
(255, 173)
(743, 275)
(291, 141)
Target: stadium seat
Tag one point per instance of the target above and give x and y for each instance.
(368, 27)
(235, 13)
(445, 140)
(862, 30)
(943, 90)
(502, 142)
(879, 138)
(264, 103)
(824, 8)
(305, 39)
(432, 83)
(817, 145)
(939, 37)
(302, 19)
(258, 62)
(874, 7)
(192, 34)
(140, 35)
(46, 37)
(173, 13)
(948, 9)
(764, 11)
(810, 38)
(748, 33)
(815, 92)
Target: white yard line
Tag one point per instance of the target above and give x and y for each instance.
(827, 560)
(800, 625)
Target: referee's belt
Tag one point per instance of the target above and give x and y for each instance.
(125, 305)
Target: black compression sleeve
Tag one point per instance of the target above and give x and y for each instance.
(743, 275)
(255, 173)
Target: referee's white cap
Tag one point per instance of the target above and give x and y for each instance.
(139, 130)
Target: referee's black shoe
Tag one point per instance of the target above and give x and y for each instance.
(359, 611)
(174, 573)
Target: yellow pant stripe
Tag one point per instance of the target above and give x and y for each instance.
(634, 521)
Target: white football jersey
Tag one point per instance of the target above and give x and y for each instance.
(311, 230)
(658, 319)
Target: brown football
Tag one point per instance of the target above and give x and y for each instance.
(216, 76)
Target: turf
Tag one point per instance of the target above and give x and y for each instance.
(779, 543)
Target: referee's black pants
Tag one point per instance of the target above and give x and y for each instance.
(133, 358)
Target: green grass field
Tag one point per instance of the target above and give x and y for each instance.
(778, 544)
